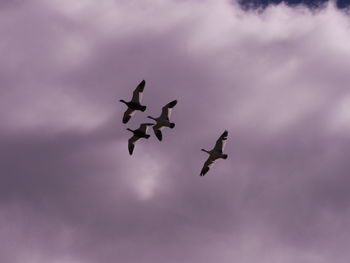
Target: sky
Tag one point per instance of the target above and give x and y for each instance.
(277, 78)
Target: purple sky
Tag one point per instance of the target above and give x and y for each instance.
(277, 80)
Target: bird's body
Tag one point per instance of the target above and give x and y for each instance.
(141, 132)
(163, 120)
(135, 103)
(215, 153)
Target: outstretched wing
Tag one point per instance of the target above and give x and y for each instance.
(144, 126)
(157, 131)
(166, 110)
(131, 143)
(209, 163)
(137, 94)
(127, 115)
(220, 143)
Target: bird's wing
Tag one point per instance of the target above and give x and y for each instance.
(157, 131)
(208, 163)
(221, 142)
(144, 126)
(127, 115)
(137, 94)
(131, 143)
(166, 110)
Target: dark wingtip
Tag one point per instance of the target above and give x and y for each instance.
(204, 171)
(126, 118)
(141, 85)
(172, 125)
(131, 149)
(173, 103)
(159, 135)
(144, 108)
(224, 135)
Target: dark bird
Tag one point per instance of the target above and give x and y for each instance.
(135, 103)
(215, 153)
(163, 120)
(141, 132)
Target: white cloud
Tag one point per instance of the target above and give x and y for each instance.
(148, 174)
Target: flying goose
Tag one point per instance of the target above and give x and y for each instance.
(134, 104)
(163, 119)
(138, 134)
(215, 153)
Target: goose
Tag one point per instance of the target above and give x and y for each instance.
(215, 153)
(134, 104)
(163, 119)
(139, 133)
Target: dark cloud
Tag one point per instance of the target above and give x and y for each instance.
(249, 4)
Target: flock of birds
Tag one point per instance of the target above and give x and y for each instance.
(162, 122)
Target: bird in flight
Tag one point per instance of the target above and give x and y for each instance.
(215, 153)
(135, 103)
(139, 133)
(163, 120)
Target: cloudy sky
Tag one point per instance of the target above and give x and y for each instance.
(275, 76)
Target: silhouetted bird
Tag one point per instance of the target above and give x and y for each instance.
(215, 153)
(134, 104)
(163, 119)
(141, 132)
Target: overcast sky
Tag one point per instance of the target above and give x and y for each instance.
(277, 79)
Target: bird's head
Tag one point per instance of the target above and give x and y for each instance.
(204, 150)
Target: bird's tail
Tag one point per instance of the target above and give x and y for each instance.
(143, 108)
(172, 125)
(224, 156)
